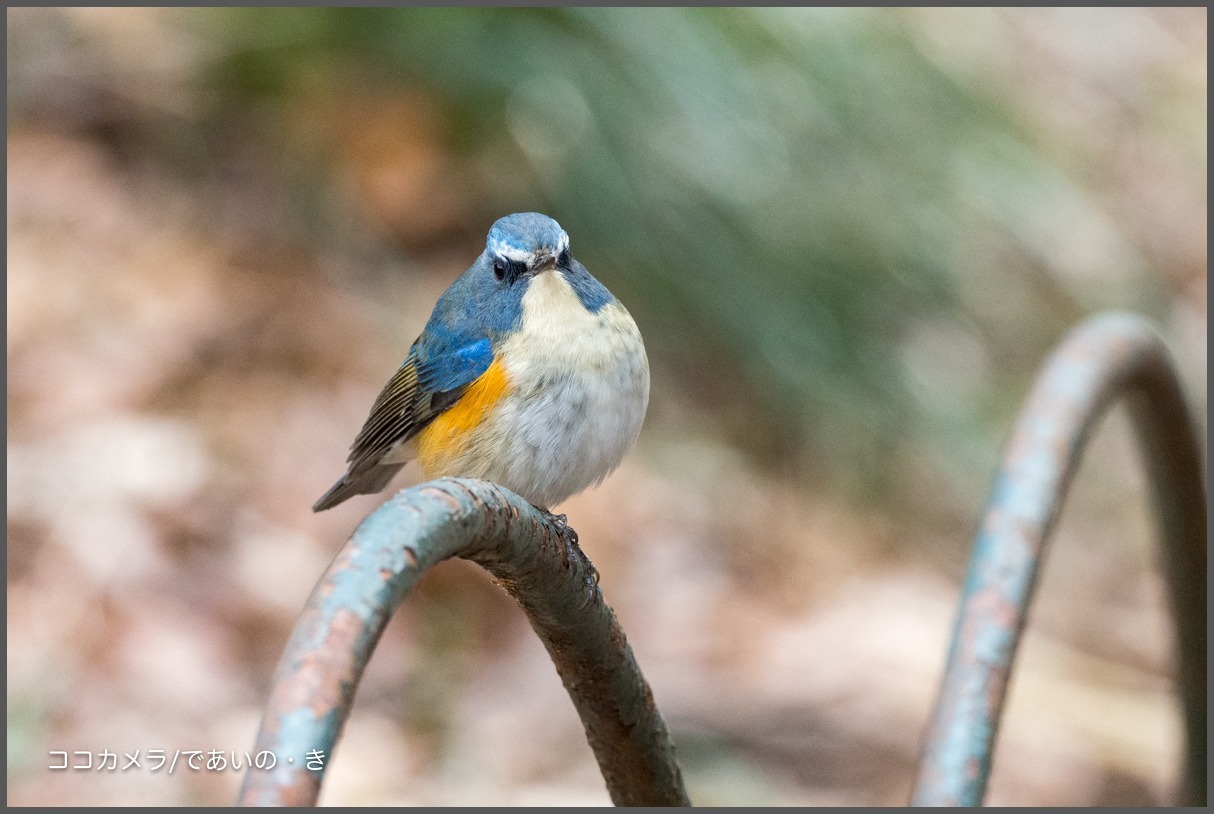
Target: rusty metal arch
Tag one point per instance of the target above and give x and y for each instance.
(1108, 357)
(528, 555)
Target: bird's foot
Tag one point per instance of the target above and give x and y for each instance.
(573, 552)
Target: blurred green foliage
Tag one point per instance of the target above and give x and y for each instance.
(744, 181)
(784, 198)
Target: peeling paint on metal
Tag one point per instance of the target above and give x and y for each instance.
(1109, 356)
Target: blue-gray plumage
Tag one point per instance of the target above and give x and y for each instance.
(529, 373)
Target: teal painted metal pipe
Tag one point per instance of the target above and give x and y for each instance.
(531, 557)
(1108, 357)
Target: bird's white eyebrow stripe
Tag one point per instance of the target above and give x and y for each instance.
(517, 255)
(509, 252)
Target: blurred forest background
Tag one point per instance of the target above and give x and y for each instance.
(849, 237)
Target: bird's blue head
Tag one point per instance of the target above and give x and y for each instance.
(487, 299)
(526, 242)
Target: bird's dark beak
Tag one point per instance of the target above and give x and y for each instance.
(544, 262)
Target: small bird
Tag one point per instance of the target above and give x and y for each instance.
(529, 374)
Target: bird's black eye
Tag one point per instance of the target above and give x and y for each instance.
(499, 268)
(563, 260)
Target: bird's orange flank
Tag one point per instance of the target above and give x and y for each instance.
(447, 436)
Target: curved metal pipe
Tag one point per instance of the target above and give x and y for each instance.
(1108, 356)
(313, 687)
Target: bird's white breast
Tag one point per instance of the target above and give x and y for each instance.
(577, 394)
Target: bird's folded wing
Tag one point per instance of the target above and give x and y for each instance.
(429, 381)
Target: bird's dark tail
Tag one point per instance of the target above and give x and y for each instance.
(364, 483)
